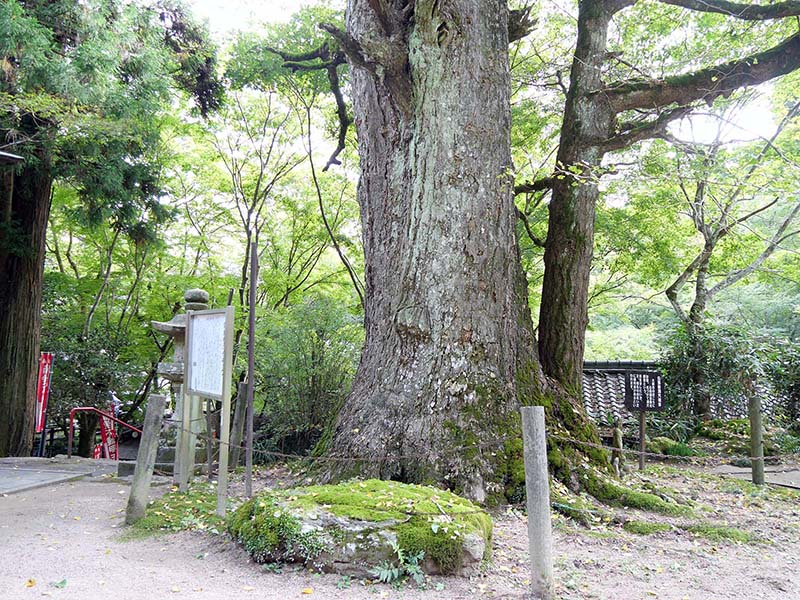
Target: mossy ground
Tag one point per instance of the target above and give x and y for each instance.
(177, 511)
(645, 527)
(424, 519)
(709, 531)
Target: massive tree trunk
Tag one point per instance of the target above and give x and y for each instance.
(21, 267)
(450, 352)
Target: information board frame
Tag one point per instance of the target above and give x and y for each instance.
(192, 330)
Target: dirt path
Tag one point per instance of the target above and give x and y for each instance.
(70, 532)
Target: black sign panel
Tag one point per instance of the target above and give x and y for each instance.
(644, 391)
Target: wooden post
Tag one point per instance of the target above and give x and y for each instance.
(756, 437)
(225, 416)
(182, 453)
(642, 436)
(617, 455)
(145, 459)
(209, 439)
(237, 433)
(537, 487)
(251, 362)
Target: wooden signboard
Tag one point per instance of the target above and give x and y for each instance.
(208, 371)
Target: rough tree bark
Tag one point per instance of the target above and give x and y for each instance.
(450, 352)
(21, 268)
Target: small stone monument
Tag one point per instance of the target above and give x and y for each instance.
(194, 299)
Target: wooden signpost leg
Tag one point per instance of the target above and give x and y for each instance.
(186, 465)
(225, 417)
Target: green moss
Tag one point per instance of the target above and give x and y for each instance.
(577, 507)
(670, 447)
(443, 547)
(645, 527)
(610, 493)
(176, 511)
(424, 519)
(719, 533)
(269, 532)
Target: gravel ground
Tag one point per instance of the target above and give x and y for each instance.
(64, 542)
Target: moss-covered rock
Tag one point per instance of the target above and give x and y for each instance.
(352, 527)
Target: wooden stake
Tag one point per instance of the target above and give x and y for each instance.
(642, 437)
(237, 433)
(756, 438)
(145, 459)
(251, 364)
(537, 487)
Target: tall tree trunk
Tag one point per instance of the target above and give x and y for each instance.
(21, 268)
(588, 121)
(449, 353)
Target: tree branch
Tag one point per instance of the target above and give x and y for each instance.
(520, 23)
(349, 45)
(537, 241)
(748, 12)
(344, 119)
(709, 83)
(636, 132)
(772, 245)
(545, 183)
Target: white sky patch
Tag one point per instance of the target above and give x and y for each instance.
(754, 120)
(227, 16)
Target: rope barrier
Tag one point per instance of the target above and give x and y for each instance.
(703, 460)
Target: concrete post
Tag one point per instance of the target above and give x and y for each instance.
(537, 487)
(145, 459)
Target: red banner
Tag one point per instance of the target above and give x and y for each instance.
(43, 388)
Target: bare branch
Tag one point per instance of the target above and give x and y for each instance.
(772, 245)
(636, 132)
(344, 119)
(748, 12)
(537, 241)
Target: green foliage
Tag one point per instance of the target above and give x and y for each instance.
(783, 371)
(254, 63)
(614, 494)
(670, 447)
(307, 355)
(710, 362)
(408, 564)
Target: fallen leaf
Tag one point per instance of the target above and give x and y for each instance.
(60, 584)
(30, 583)
(308, 591)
